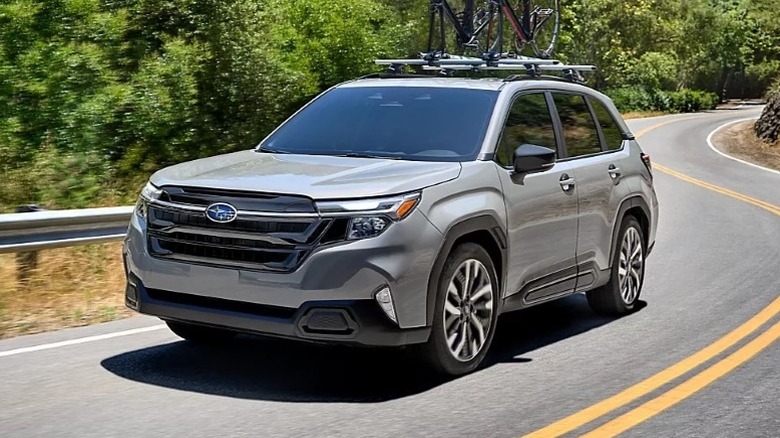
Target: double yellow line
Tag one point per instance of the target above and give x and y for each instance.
(723, 191)
(693, 384)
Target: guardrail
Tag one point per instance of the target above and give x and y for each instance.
(47, 229)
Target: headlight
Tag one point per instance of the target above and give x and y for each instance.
(370, 217)
(148, 193)
(364, 227)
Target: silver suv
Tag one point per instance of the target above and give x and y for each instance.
(401, 211)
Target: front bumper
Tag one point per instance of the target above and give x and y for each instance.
(358, 322)
(343, 276)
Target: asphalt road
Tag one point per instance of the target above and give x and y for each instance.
(715, 265)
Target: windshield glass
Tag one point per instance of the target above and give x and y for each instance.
(410, 123)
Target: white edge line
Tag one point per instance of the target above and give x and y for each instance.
(712, 146)
(80, 340)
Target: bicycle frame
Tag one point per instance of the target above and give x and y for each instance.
(443, 8)
(523, 27)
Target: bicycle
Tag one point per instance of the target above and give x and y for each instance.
(530, 28)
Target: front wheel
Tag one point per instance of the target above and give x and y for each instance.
(465, 312)
(621, 293)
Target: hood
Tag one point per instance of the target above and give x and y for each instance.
(314, 176)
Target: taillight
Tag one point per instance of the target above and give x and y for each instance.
(646, 160)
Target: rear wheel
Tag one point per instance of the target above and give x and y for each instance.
(200, 334)
(621, 293)
(465, 312)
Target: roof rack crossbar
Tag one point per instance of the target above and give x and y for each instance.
(513, 67)
(449, 64)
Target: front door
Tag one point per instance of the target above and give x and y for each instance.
(541, 208)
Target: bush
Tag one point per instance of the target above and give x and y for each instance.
(688, 101)
(628, 99)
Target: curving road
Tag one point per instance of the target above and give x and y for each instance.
(715, 266)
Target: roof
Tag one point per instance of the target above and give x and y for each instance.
(489, 84)
(493, 84)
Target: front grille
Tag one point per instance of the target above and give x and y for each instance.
(250, 242)
(250, 226)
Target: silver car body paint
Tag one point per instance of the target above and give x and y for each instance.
(547, 230)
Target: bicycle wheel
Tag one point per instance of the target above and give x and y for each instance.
(544, 23)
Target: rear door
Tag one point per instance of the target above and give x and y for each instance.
(593, 145)
(541, 208)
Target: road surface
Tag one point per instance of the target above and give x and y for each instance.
(716, 265)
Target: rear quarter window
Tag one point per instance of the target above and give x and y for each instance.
(612, 135)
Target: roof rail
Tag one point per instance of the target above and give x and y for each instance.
(450, 64)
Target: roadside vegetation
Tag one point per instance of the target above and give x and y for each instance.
(70, 287)
(757, 142)
(97, 94)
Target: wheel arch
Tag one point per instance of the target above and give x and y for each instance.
(484, 230)
(636, 207)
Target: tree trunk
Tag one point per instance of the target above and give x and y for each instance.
(768, 126)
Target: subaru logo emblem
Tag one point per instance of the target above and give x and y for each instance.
(221, 213)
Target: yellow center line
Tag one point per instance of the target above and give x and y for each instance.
(724, 191)
(659, 379)
(687, 388)
(684, 366)
(664, 123)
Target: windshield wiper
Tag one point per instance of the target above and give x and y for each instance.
(268, 150)
(363, 155)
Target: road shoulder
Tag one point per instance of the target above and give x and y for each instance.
(737, 140)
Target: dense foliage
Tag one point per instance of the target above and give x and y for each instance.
(96, 94)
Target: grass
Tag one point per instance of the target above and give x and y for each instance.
(740, 140)
(642, 114)
(70, 287)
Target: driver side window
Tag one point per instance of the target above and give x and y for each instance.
(528, 122)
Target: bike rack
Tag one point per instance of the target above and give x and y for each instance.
(447, 66)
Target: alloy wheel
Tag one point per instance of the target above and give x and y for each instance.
(631, 266)
(468, 310)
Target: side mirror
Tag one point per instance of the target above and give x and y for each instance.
(531, 158)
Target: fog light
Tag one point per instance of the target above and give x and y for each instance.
(131, 296)
(385, 300)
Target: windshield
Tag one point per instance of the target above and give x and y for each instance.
(410, 123)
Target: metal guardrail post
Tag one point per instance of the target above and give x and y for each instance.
(26, 262)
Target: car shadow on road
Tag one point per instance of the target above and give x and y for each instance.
(267, 369)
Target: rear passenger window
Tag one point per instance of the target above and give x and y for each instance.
(579, 129)
(528, 122)
(613, 137)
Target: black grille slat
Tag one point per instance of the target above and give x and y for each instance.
(248, 201)
(229, 255)
(260, 242)
(252, 226)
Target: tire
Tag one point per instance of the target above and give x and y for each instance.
(620, 295)
(200, 334)
(464, 319)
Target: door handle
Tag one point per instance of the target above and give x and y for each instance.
(567, 182)
(614, 171)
